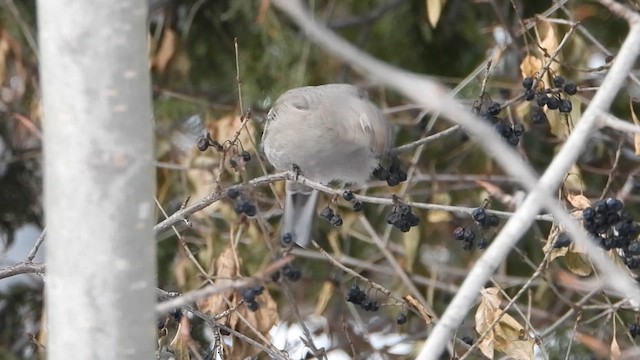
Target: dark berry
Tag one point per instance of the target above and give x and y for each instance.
(224, 332)
(252, 305)
(538, 116)
(494, 109)
(527, 82)
(287, 239)
(562, 240)
(482, 243)
(613, 204)
(357, 206)
(248, 295)
(529, 94)
(503, 129)
(336, 220)
(588, 214)
(553, 103)
(458, 233)
(245, 156)
(492, 221)
(542, 100)
(356, 295)
(478, 214)
(558, 81)
(518, 129)
(413, 220)
(292, 274)
(570, 89)
(469, 235)
(600, 206)
(233, 162)
(250, 210)
(258, 289)
(348, 195)
(393, 217)
(634, 329)
(467, 340)
(161, 323)
(633, 249)
(326, 213)
(233, 193)
(565, 106)
(202, 144)
(401, 319)
(514, 140)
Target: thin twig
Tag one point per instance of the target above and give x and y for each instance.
(193, 296)
(36, 246)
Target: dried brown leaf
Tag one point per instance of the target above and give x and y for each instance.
(530, 65)
(226, 269)
(577, 262)
(548, 247)
(426, 316)
(507, 336)
(578, 201)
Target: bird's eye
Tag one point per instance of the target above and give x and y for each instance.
(300, 104)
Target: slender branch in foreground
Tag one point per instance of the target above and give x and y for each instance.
(615, 123)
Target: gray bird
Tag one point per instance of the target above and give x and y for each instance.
(328, 132)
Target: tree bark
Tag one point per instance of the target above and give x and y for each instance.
(99, 179)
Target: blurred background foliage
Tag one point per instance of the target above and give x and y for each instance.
(194, 65)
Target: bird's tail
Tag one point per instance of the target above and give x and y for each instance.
(299, 210)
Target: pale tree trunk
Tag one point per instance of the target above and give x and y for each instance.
(99, 179)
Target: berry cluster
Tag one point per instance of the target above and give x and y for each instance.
(249, 296)
(394, 176)
(551, 97)
(510, 132)
(328, 214)
(613, 227)
(402, 218)
(359, 297)
(348, 196)
(243, 204)
(291, 273)
(483, 219)
(468, 237)
(244, 156)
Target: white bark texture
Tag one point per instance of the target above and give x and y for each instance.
(99, 179)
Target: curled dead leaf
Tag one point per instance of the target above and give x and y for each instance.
(226, 269)
(578, 201)
(507, 335)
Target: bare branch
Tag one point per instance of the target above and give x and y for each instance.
(22, 268)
